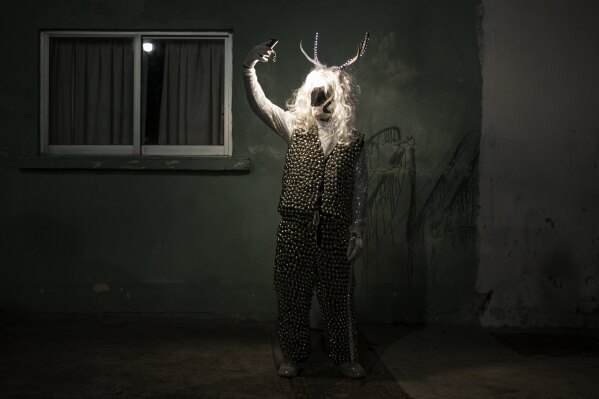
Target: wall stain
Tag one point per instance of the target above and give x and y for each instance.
(101, 287)
(553, 279)
(481, 302)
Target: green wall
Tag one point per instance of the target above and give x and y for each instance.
(204, 241)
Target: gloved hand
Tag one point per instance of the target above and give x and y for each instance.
(260, 53)
(355, 246)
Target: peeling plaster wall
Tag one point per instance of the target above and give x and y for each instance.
(107, 240)
(539, 180)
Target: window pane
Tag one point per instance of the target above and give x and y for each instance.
(183, 91)
(91, 91)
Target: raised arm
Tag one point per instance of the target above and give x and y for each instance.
(274, 117)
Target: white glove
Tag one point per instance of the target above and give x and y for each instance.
(260, 53)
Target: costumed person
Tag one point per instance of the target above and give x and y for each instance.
(322, 207)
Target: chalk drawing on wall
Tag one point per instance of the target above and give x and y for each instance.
(397, 215)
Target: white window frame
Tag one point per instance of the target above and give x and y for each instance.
(136, 148)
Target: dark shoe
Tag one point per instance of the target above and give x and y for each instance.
(289, 369)
(352, 370)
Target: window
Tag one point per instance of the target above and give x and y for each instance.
(136, 93)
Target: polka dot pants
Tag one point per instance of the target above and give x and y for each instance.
(312, 258)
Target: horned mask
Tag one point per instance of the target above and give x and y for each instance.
(322, 96)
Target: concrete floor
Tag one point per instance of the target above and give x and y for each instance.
(467, 363)
(180, 356)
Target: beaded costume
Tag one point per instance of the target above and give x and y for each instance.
(312, 241)
(322, 204)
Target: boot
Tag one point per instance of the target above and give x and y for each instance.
(352, 370)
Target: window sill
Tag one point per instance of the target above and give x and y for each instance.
(135, 163)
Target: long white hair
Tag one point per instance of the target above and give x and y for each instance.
(340, 84)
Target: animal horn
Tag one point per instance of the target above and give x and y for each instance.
(364, 44)
(316, 49)
(315, 62)
(351, 60)
(360, 53)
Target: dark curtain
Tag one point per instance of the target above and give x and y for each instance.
(91, 91)
(191, 107)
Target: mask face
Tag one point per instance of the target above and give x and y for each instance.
(318, 97)
(322, 106)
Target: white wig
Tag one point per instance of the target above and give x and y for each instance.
(336, 82)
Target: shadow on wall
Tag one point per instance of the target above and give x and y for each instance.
(432, 233)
